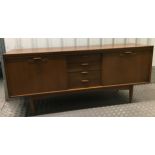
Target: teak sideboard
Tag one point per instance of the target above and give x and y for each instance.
(37, 72)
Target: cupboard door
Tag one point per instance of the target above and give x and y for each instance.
(26, 76)
(54, 74)
(127, 66)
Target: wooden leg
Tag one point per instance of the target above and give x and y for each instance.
(130, 94)
(32, 105)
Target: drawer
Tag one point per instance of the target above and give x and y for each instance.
(83, 58)
(84, 79)
(85, 66)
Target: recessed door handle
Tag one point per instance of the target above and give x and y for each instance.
(127, 53)
(37, 60)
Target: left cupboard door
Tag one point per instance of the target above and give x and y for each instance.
(33, 75)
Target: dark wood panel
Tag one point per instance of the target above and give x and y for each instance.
(126, 66)
(35, 75)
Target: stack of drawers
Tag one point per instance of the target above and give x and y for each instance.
(84, 70)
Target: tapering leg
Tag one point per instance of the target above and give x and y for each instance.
(32, 105)
(130, 94)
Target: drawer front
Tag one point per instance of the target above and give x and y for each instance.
(84, 79)
(83, 58)
(77, 67)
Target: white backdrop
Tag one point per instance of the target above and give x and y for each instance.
(18, 43)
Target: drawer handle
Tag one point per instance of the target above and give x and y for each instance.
(84, 81)
(84, 72)
(37, 58)
(84, 64)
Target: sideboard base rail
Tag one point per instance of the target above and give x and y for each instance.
(31, 101)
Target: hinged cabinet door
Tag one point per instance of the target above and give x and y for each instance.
(126, 66)
(37, 74)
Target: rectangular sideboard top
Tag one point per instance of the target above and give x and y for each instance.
(71, 49)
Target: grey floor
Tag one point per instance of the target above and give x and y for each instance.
(13, 107)
(105, 103)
